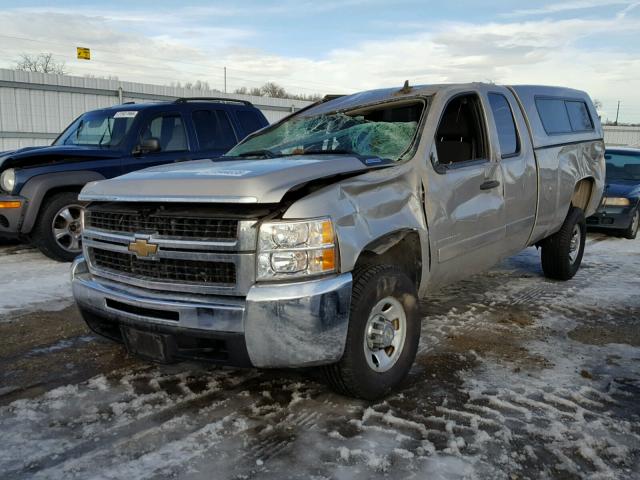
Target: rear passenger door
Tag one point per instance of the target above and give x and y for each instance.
(214, 132)
(517, 161)
(169, 129)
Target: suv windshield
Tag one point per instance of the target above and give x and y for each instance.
(385, 131)
(98, 129)
(623, 166)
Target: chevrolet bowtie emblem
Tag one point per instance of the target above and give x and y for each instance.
(142, 248)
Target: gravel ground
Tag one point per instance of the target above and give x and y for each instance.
(516, 377)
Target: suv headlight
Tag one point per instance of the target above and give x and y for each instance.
(8, 180)
(296, 249)
(616, 202)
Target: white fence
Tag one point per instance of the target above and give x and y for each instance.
(36, 107)
(622, 136)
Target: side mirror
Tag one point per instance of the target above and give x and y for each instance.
(149, 145)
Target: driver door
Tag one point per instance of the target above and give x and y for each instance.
(464, 192)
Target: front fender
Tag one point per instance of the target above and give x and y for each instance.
(36, 188)
(367, 208)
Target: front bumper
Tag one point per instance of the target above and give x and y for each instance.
(11, 218)
(283, 325)
(615, 218)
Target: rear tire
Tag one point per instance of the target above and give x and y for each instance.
(632, 231)
(58, 231)
(383, 334)
(562, 252)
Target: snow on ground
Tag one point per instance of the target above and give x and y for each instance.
(516, 377)
(30, 281)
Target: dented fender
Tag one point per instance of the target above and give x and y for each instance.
(367, 208)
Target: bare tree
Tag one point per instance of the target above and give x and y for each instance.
(43, 62)
(273, 90)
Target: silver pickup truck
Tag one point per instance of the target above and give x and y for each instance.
(311, 241)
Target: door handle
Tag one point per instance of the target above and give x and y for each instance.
(489, 184)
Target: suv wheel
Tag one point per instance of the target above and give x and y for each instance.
(58, 230)
(562, 252)
(383, 335)
(632, 231)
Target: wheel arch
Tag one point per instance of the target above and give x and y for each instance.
(37, 189)
(401, 247)
(583, 194)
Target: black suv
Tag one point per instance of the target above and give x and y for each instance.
(39, 186)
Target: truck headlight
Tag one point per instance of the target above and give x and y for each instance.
(296, 249)
(616, 202)
(8, 180)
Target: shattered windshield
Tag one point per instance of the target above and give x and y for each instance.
(98, 129)
(385, 131)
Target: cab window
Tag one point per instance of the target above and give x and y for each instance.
(505, 125)
(169, 130)
(461, 133)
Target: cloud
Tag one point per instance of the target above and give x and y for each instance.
(565, 7)
(182, 48)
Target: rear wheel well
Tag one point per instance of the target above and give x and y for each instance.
(401, 249)
(582, 193)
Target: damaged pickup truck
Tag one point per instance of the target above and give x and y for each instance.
(310, 242)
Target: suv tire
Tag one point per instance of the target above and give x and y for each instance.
(562, 252)
(632, 231)
(383, 334)
(58, 231)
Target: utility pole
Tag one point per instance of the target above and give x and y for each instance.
(225, 82)
(617, 113)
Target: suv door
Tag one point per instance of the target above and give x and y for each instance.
(169, 129)
(464, 194)
(214, 132)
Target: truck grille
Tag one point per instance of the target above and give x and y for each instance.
(165, 269)
(165, 225)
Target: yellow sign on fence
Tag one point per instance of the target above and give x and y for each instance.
(83, 53)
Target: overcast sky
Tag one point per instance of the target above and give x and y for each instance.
(342, 46)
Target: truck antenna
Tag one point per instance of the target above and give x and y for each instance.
(405, 88)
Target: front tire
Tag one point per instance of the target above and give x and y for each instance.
(562, 252)
(58, 231)
(632, 231)
(383, 335)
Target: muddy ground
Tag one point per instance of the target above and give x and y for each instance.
(516, 377)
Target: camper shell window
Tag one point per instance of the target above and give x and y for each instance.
(562, 115)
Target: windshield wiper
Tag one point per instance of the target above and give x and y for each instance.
(258, 153)
(108, 129)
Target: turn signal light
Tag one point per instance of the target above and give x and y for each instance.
(11, 204)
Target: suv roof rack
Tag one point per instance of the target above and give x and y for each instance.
(213, 99)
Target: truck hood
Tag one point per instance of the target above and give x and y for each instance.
(224, 181)
(32, 156)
